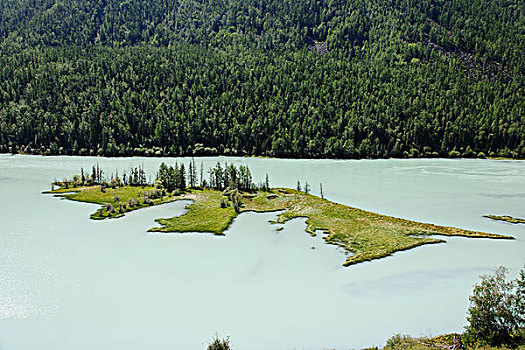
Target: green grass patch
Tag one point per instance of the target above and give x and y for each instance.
(117, 201)
(203, 215)
(62, 190)
(506, 218)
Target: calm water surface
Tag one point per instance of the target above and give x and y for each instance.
(67, 282)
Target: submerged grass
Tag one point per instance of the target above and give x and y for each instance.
(366, 235)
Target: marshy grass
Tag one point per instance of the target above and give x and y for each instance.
(367, 236)
(205, 214)
(115, 202)
(364, 235)
(506, 218)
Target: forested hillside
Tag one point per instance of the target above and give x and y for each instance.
(312, 78)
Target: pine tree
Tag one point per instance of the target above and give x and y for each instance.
(202, 174)
(182, 177)
(190, 174)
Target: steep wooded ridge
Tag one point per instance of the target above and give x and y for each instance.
(312, 78)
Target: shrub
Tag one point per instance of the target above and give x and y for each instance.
(220, 344)
(454, 154)
(468, 152)
(110, 208)
(497, 312)
(236, 200)
(398, 341)
(227, 191)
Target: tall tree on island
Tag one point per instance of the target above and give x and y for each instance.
(182, 177)
(306, 187)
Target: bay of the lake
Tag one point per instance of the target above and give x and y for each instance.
(68, 282)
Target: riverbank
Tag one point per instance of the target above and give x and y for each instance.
(363, 235)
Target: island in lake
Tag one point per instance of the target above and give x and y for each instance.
(506, 218)
(363, 235)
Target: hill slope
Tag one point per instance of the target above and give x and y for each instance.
(314, 78)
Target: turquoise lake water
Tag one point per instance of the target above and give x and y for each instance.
(67, 282)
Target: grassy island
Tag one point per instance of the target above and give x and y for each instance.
(115, 201)
(365, 235)
(506, 218)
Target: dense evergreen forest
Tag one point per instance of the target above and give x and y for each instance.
(287, 78)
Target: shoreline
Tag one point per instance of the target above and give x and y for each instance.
(248, 156)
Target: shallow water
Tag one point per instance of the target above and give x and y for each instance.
(67, 282)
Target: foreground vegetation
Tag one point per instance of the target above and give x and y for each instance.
(446, 341)
(496, 314)
(230, 191)
(452, 341)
